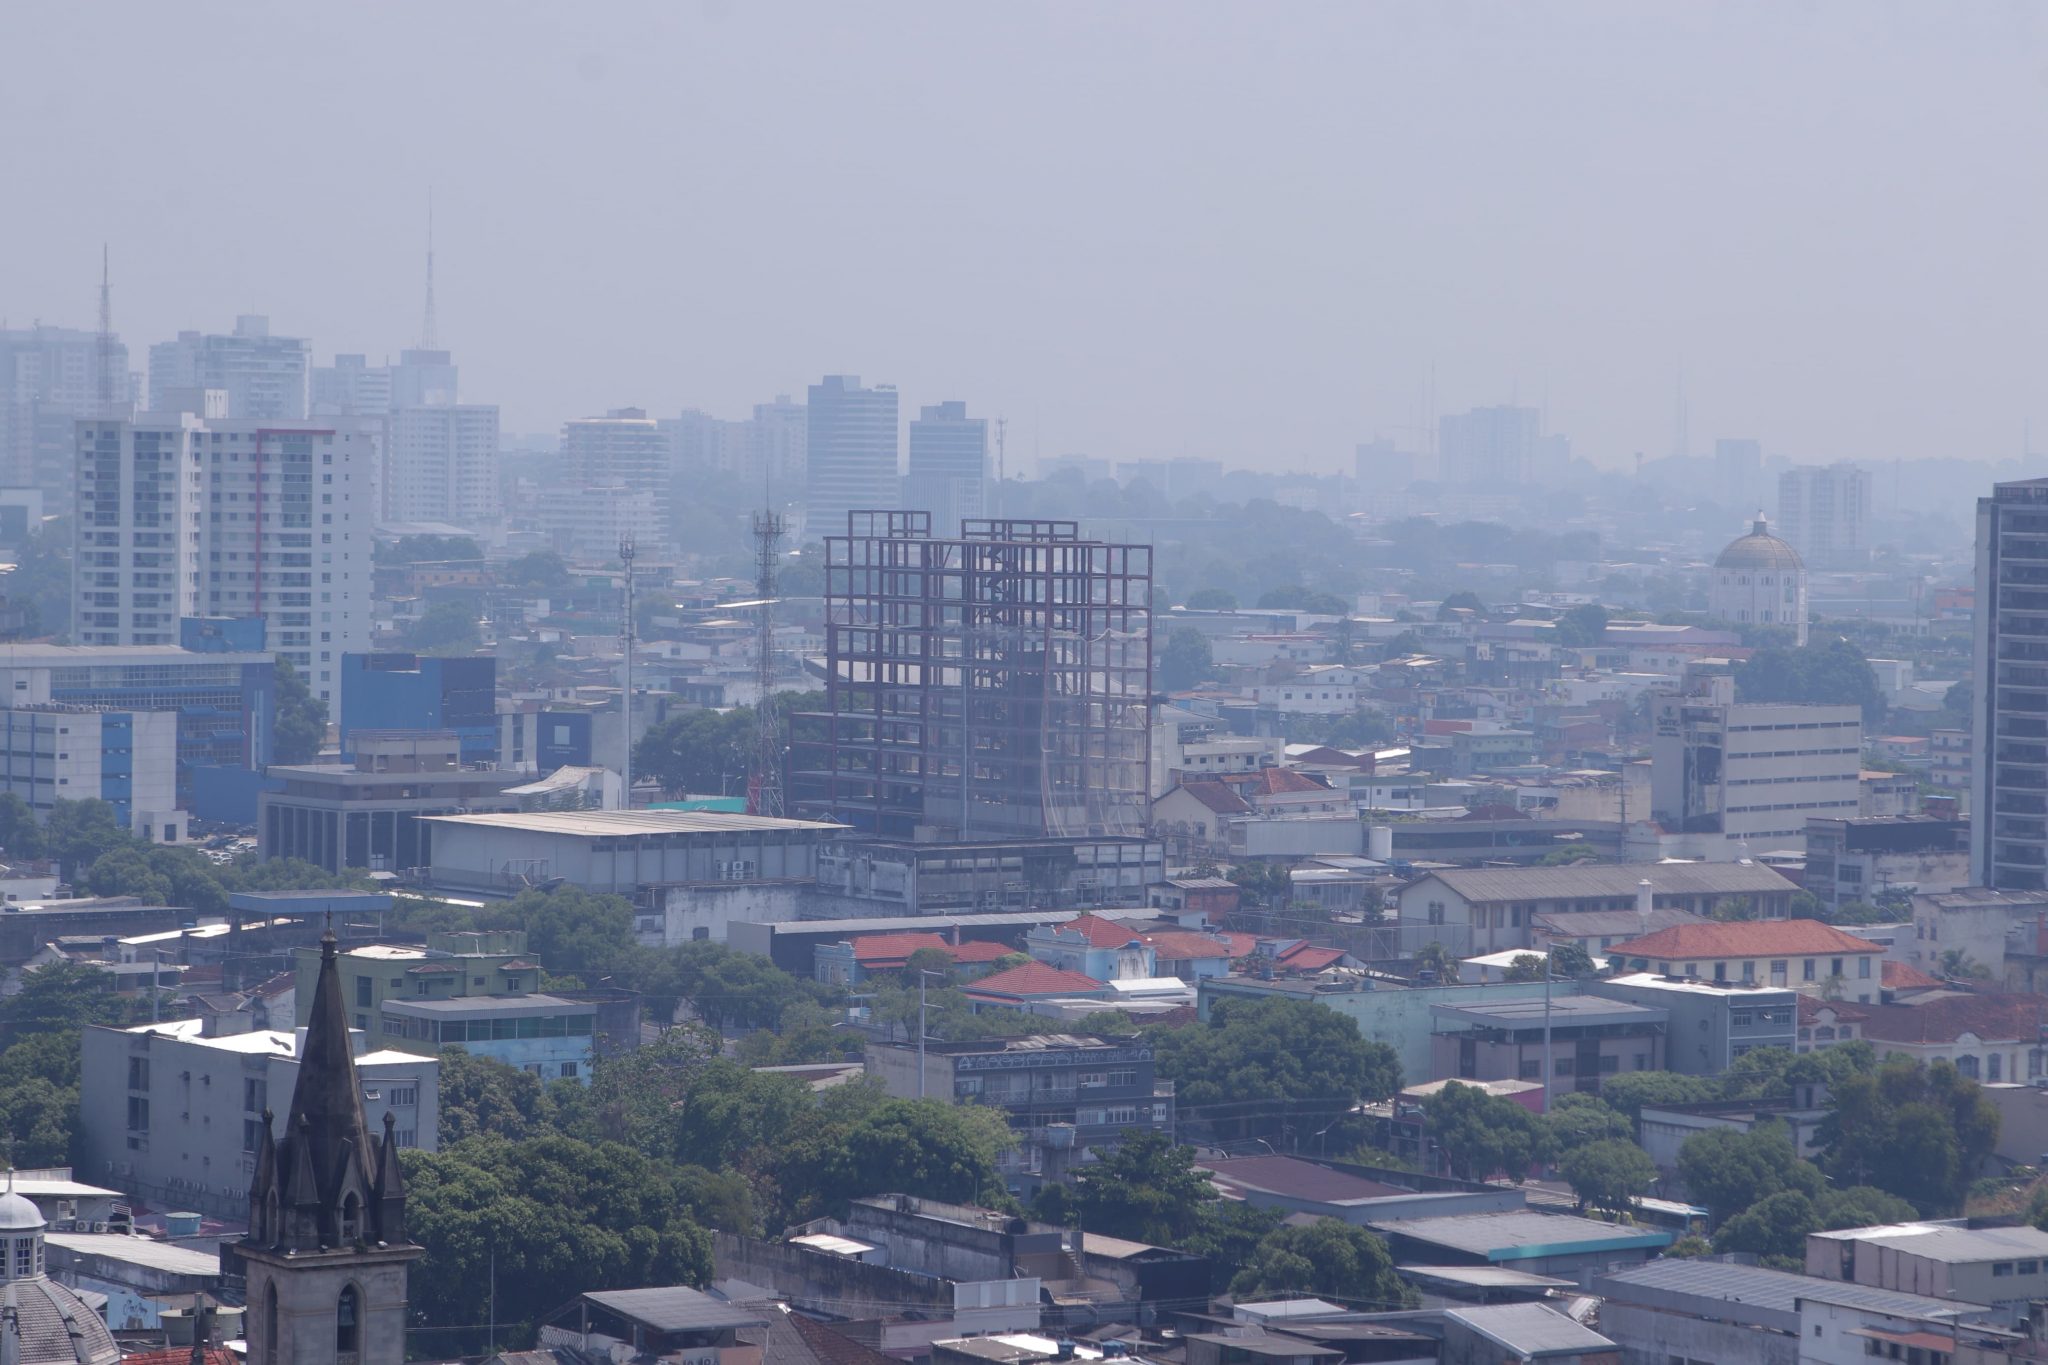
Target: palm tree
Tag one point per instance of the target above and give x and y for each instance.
(1956, 965)
(1434, 957)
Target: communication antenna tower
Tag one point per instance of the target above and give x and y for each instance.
(626, 699)
(1002, 430)
(429, 328)
(764, 784)
(106, 339)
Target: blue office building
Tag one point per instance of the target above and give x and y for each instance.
(395, 691)
(224, 691)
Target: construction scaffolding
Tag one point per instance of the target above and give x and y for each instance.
(990, 686)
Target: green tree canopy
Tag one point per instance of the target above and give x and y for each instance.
(484, 1097)
(301, 726)
(1775, 1227)
(1582, 626)
(1610, 1174)
(538, 570)
(1484, 1135)
(1144, 1189)
(1460, 601)
(1326, 1259)
(445, 628)
(1825, 672)
(1629, 1091)
(1185, 661)
(1727, 1171)
(1918, 1130)
(698, 751)
(1578, 1118)
(1212, 599)
(1258, 1066)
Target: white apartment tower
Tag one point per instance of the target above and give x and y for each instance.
(850, 456)
(443, 465)
(182, 514)
(1824, 510)
(948, 474)
(264, 376)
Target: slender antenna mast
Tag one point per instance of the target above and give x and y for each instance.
(764, 784)
(1002, 427)
(429, 330)
(106, 339)
(626, 700)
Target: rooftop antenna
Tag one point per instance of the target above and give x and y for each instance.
(764, 784)
(429, 331)
(626, 553)
(1682, 435)
(106, 338)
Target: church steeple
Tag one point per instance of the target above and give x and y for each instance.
(326, 1252)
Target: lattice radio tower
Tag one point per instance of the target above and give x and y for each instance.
(106, 340)
(764, 783)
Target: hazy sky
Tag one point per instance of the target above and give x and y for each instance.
(1246, 231)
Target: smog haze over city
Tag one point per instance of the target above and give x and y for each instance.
(1257, 234)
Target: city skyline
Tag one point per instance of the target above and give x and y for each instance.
(1366, 225)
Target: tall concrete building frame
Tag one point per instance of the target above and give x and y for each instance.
(1824, 510)
(850, 452)
(264, 376)
(2009, 705)
(996, 684)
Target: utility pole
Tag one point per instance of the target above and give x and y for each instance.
(626, 698)
(920, 1033)
(764, 786)
(1548, 1076)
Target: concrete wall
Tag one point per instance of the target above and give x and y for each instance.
(701, 912)
(1651, 1336)
(848, 1288)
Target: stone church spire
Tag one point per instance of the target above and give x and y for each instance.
(326, 1253)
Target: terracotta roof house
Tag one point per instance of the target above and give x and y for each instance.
(1803, 954)
(1020, 986)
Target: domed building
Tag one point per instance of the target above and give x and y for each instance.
(41, 1322)
(1760, 580)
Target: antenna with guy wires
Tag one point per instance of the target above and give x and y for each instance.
(429, 328)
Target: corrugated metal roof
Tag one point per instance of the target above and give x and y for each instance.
(1769, 1290)
(1523, 1236)
(621, 823)
(1608, 879)
(1530, 1329)
(676, 1308)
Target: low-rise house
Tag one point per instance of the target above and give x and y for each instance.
(1802, 954)
(1492, 908)
(1098, 948)
(1021, 987)
(1988, 1036)
(650, 1324)
(1969, 927)
(1317, 1190)
(854, 961)
(1064, 1094)
(1711, 1024)
(1589, 1038)
(1597, 931)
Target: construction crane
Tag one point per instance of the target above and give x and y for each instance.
(764, 782)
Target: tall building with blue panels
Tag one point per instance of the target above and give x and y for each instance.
(395, 691)
(224, 699)
(76, 753)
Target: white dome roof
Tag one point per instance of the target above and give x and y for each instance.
(17, 1214)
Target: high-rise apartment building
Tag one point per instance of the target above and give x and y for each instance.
(264, 376)
(350, 387)
(850, 452)
(2008, 759)
(1739, 473)
(443, 465)
(184, 514)
(423, 379)
(1824, 510)
(1489, 447)
(49, 378)
(948, 465)
(780, 430)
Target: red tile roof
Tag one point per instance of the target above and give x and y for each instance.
(872, 949)
(1904, 976)
(1240, 944)
(1993, 1017)
(1307, 957)
(1744, 938)
(1100, 932)
(1183, 946)
(1216, 796)
(1274, 781)
(1035, 978)
(1810, 1008)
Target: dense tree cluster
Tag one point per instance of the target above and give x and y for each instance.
(1263, 1068)
(1832, 671)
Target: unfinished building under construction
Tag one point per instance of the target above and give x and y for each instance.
(993, 685)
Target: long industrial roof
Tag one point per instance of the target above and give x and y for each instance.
(618, 823)
(676, 1308)
(1773, 1290)
(1530, 1329)
(1609, 879)
(1523, 1236)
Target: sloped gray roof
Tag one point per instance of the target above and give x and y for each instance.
(57, 1328)
(1609, 879)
